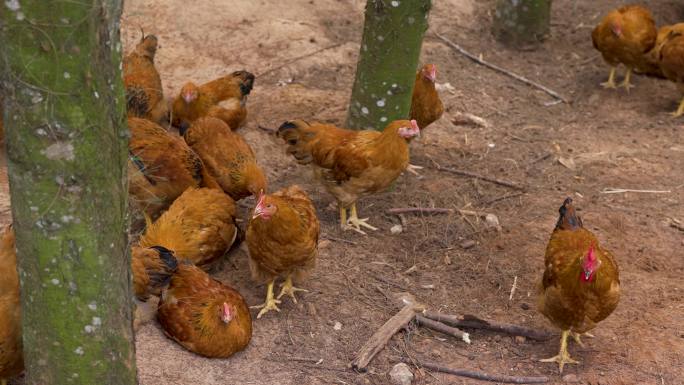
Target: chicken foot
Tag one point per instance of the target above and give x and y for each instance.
(611, 79)
(680, 110)
(270, 304)
(625, 83)
(577, 337)
(563, 356)
(289, 289)
(354, 222)
(412, 169)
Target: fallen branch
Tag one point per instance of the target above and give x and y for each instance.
(267, 129)
(609, 190)
(500, 69)
(298, 58)
(482, 177)
(482, 376)
(677, 224)
(442, 328)
(470, 321)
(419, 210)
(380, 338)
(463, 118)
(503, 197)
(515, 285)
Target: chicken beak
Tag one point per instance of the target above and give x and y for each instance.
(259, 209)
(257, 212)
(433, 73)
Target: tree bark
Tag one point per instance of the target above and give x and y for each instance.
(67, 148)
(522, 23)
(392, 37)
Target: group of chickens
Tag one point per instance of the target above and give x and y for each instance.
(628, 36)
(183, 191)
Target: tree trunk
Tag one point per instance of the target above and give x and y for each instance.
(522, 23)
(67, 150)
(392, 37)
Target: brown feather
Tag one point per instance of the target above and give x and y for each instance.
(638, 36)
(11, 361)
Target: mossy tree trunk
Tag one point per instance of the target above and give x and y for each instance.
(67, 147)
(522, 23)
(392, 37)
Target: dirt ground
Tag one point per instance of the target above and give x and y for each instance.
(610, 139)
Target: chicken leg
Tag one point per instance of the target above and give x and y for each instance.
(563, 356)
(625, 83)
(412, 169)
(355, 223)
(680, 110)
(270, 304)
(611, 79)
(577, 337)
(289, 289)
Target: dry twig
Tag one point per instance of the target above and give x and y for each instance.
(482, 177)
(610, 190)
(267, 129)
(419, 210)
(483, 376)
(298, 58)
(442, 328)
(515, 285)
(470, 321)
(463, 118)
(503, 197)
(500, 69)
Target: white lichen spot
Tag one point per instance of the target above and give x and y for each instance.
(54, 260)
(111, 245)
(47, 269)
(394, 85)
(383, 119)
(389, 92)
(97, 96)
(13, 5)
(55, 281)
(365, 47)
(59, 151)
(89, 329)
(79, 351)
(41, 132)
(358, 104)
(67, 218)
(75, 375)
(396, 107)
(64, 20)
(380, 103)
(33, 209)
(67, 75)
(381, 38)
(411, 20)
(364, 110)
(20, 16)
(92, 306)
(36, 98)
(97, 321)
(395, 3)
(384, 83)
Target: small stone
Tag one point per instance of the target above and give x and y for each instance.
(570, 378)
(525, 306)
(447, 259)
(520, 339)
(337, 326)
(396, 229)
(492, 222)
(323, 244)
(467, 244)
(401, 374)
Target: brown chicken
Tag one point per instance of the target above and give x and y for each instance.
(426, 106)
(227, 157)
(195, 101)
(204, 315)
(144, 94)
(651, 65)
(351, 164)
(11, 360)
(151, 268)
(671, 62)
(199, 227)
(581, 284)
(282, 238)
(624, 36)
(160, 167)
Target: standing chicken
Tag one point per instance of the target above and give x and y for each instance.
(624, 36)
(199, 227)
(351, 164)
(204, 315)
(11, 359)
(195, 102)
(227, 157)
(581, 284)
(282, 238)
(144, 94)
(426, 106)
(671, 62)
(651, 65)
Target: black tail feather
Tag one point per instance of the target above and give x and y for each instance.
(568, 218)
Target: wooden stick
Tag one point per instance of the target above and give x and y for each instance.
(503, 197)
(419, 210)
(609, 190)
(483, 376)
(500, 69)
(470, 321)
(482, 177)
(380, 338)
(442, 328)
(298, 58)
(267, 129)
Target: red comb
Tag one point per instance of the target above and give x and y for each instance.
(414, 124)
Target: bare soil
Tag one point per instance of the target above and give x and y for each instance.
(616, 139)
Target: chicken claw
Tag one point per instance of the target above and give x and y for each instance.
(611, 79)
(577, 337)
(680, 109)
(270, 304)
(289, 289)
(625, 83)
(412, 169)
(563, 356)
(355, 223)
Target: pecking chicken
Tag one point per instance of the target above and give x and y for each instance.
(227, 157)
(199, 226)
(144, 94)
(151, 268)
(581, 284)
(282, 238)
(651, 65)
(624, 36)
(11, 360)
(671, 62)
(426, 106)
(204, 315)
(160, 167)
(195, 101)
(351, 164)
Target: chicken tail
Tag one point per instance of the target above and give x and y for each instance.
(568, 219)
(297, 133)
(152, 270)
